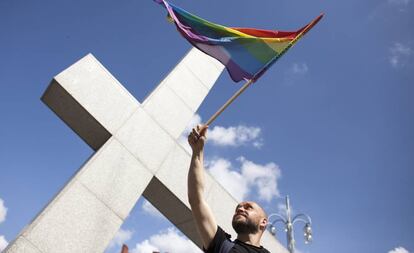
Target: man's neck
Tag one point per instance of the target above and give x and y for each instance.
(252, 239)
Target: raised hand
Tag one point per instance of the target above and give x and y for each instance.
(197, 138)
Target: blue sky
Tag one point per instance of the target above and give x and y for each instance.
(331, 123)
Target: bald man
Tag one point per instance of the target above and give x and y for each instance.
(249, 219)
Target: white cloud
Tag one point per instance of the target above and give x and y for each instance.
(399, 2)
(144, 247)
(195, 120)
(231, 180)
(399, 250)
(281, 208)
(235, 136)
(261, 178)
(120, 238)
(299, 68)
(3, 243)
(148, 208)
(296, 72)
(3, 211)
(169, 241)
(298, 251)
(384, 9)
(399, 54)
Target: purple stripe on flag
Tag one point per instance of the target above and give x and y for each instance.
(236, 73)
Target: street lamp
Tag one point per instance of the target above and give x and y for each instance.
(288, 222)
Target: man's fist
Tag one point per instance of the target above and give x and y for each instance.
(197, 138)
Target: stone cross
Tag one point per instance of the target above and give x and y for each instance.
(137, 153)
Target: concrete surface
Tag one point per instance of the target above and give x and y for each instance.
(138, 153)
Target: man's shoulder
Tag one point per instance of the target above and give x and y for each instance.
(221, 242)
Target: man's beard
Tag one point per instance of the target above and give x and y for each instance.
(245, 227)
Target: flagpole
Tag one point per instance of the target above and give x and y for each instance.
(247, 84)
(223, 107)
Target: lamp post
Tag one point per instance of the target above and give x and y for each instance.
(288, 222)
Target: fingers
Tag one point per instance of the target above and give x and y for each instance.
(198, 132)
(124, 249)
(195, 133)
(202, 130)
(193, 137)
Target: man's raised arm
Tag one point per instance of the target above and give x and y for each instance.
(203, 216)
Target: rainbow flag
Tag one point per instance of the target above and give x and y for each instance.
(246, 52)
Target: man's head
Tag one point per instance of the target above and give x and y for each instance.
(249, 218)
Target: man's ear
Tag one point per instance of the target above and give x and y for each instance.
(263, 224)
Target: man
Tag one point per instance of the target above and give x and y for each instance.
(249, 219)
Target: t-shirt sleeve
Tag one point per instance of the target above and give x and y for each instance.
(219, 238)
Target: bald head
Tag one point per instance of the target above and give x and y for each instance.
(249, 218)
(262, 211)
(254, 205)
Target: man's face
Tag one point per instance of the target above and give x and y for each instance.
(249, 218)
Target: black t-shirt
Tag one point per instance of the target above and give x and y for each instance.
(222, 244)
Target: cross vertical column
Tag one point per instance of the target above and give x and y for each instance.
(137, 154)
